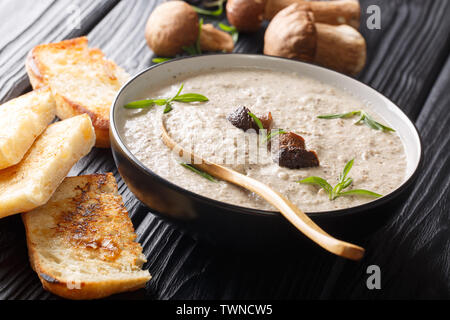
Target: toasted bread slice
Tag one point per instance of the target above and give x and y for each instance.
(22, 120)
(31, 182)
(82, 242)
(81, 80)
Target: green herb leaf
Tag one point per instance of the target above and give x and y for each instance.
(339, 115)
(214, 13)
(273, 134)
(361, 192)
(318, 181)
(344, 182)
(178, 92)
(364, 118)
(186, 98)
(227, 28)
(347, 183)
(145, 103)
(160, 59)
(346, 170)
(168, 107)
(199, 172)
(190, 97)
(256, 119)
(230, 29)
(369, 121)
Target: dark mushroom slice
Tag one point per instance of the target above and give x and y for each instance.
(266, 121)
(240, 118)
(291, 139)
(296, 158)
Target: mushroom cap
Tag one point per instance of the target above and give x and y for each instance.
(245, 15)
(291, 34)
(170, 27)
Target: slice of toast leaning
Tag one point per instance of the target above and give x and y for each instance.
(32, 181)
(81, 79)
(82, 242)
(22, 120)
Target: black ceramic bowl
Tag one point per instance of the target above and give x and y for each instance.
(228, 224)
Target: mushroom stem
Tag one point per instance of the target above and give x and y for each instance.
(212, 39)
(341, 48)
(334, 12)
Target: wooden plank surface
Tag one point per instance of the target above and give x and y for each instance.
(413, 250)
(405, 58)
(27, 23)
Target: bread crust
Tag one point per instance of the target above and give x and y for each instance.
(30, 183)
(40, 74)
(83, 192)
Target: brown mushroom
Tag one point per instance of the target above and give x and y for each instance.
(245, 15)
(292, 33)
(341, 48)
(170, 27)
(334, 12)
(212, 39)
(290, 152)
(174, 25)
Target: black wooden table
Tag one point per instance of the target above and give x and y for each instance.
(408, 61)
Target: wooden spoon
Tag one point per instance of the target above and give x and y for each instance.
(295, 216)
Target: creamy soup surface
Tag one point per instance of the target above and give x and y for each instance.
(295, 102)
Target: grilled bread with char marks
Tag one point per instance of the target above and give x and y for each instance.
(81, 79)
(82, 242)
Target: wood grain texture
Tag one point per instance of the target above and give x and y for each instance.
(405, 58)
(407, 53)
(413, 250)
(28, 23)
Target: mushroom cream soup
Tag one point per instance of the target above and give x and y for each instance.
(295, 102)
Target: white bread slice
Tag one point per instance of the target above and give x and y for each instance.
(32, 181)
(22, 120)
(82, 242)
(82, 80)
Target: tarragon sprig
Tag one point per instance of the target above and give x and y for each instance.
(199, 172)
(273, 134)
(215, 13)
(167, 102)
(364, 118)
(195, 49)
(231, 30)
(161, 59)
(343, 183)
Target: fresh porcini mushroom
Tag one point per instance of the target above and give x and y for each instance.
(341, 48)
(334, 12)
(292, 33)
(171, 26)
(248, 15)
(174, 25)
(245, 15)
(212, 39)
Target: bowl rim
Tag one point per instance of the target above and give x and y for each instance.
(345, 212)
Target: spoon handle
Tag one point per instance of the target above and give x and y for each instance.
(293, 214)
